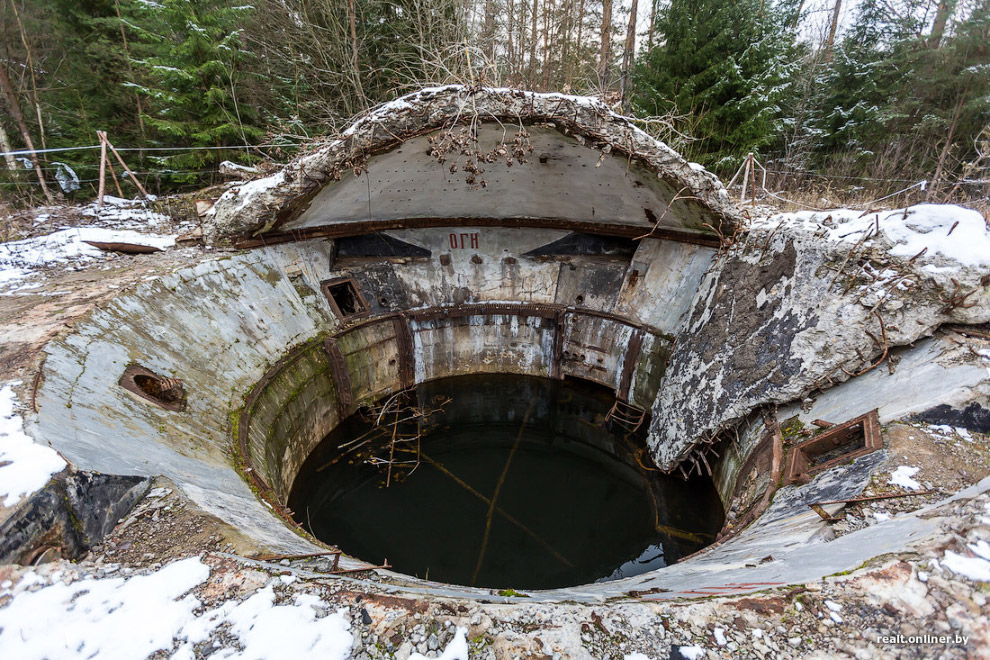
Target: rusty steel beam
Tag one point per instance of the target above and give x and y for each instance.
(362, 227)
(542, 310)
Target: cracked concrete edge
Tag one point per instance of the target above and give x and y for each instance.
(255, 207)
(771, 322)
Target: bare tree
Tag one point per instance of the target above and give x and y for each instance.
(6, 147)
(533, 39)
(352, 19)
(830, 39)
(605, 58)
(488, 30)
(578, 43)
(15, 112)
(945, 9)
(628, 52)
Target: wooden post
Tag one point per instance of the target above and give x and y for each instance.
(126, 169)
(103, 167)
(116, 183)
(745, 182)
(752, 182)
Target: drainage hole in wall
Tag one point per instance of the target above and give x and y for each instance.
(504, 482)
(169, 393)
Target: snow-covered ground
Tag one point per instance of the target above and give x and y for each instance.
(976, 567)
(957, 235)
(24, 465)
(133, 617)
(125, 615)
(119, 221)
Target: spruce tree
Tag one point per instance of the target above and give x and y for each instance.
(725, 65)
(199, 75)
(899, 103)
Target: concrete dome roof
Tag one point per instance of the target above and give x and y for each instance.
(454, 155)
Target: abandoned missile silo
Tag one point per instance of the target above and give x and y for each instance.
(507, 341)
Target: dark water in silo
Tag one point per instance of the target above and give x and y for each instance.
(501, 481)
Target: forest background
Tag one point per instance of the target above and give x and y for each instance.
(895, 93)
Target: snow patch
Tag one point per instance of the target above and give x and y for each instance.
(457, 649)
(19, 258)
(246, 192)
(981, 548)
(119, 221)
(958, 234)
(86, 618)
(902, 477)
(691, 652)
(975, 568)
(30, 465)
(293, 631)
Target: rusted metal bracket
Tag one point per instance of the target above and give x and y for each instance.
(626, 416)
(407, 356)
(822, 513)
(560, 329)
(629, 363)
(339, 373)
(342, 230)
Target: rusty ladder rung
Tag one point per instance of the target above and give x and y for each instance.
(626, 415)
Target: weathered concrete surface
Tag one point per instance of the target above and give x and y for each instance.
(561, 178)
(327, 182)
(788, 311)
(217, 325)
(222, 324)
(942, 370)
